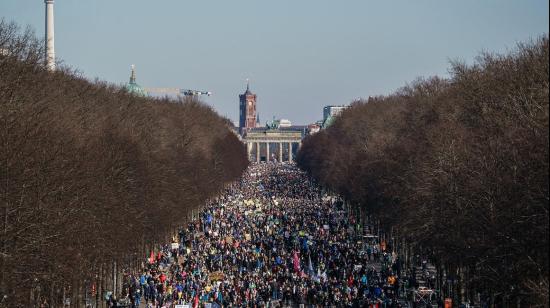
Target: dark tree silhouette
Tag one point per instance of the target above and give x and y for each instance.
(459, 167)
(91, 175)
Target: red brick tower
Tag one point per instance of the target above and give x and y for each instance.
(247, 110)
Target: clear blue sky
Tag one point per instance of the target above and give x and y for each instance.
(299, 54)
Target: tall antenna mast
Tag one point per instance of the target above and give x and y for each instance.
(50, 51)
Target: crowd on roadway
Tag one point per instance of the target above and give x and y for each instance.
(271, 239)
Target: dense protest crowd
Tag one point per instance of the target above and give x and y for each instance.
(273, 238)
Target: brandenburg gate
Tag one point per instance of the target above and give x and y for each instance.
(272, 144)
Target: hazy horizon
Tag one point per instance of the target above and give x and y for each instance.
(299, 56)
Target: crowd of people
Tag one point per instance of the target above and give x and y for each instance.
(273, 238)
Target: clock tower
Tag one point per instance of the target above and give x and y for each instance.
(247, 110)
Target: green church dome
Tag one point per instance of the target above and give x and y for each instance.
(133, 87)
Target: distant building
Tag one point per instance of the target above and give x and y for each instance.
(273, 142)
(284, 123)
(133, 87)
(247, 110)
(276, 124)
(313, 128)
(278, 140)
(329, 113)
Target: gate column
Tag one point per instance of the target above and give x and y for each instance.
(290, 152)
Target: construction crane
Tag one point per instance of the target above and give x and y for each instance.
(188, 92)
(177, 91)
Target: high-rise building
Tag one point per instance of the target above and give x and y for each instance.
(332, 111)
(247, 110)
(329, 113)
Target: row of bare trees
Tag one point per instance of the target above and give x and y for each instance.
(459, 167)
(91, 175)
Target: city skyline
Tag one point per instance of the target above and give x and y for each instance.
(299, 57)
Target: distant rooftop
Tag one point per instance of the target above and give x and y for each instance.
(132, 86)
(288, 128)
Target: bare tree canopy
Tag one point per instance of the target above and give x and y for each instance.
(90, 173)
(459, 166)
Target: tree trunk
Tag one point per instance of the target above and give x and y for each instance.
(462, 289)
(114, 278)
(63, 303)
(52, 294)
(99, 286)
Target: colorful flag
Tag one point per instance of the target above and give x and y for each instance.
(296, 262)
